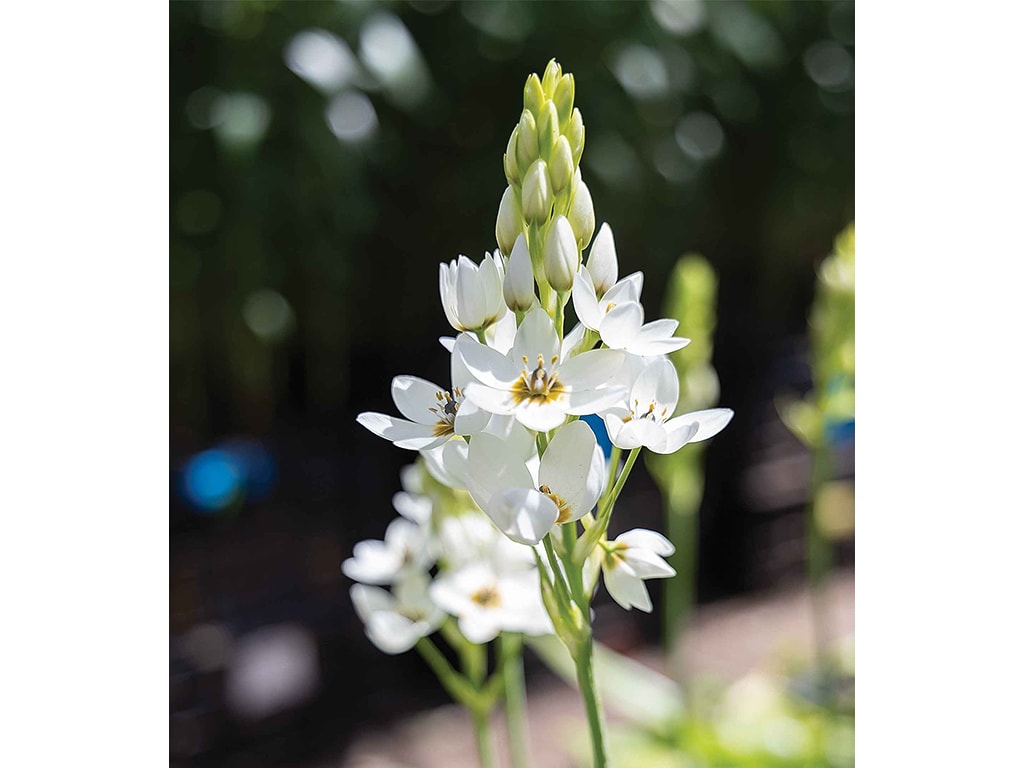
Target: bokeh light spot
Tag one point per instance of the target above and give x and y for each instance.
(212, 480)
(389, 52)
(680, 17)
(240, 119)
(700, 136)
(321, 59)
(829, 65)
(268, 314)
(641, 71)
(351, 116)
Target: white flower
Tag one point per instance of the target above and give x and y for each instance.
(405, 549)
(433, 415)
(395, 621)
(487, 602)
(618, 316)
(567, 485)
(532, 382)
(449, 463)
(631, 558)
(471, 294)
(414, 507)
(518, 285)
(652, 400)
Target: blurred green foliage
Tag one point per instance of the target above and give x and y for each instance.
(325, 156)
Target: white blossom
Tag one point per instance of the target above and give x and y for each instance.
(471, 294)
(629, 560)
(652, 400)
(405, 549)
(395, 621)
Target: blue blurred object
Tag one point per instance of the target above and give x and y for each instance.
(838, 433)
(596, 423)
(212, 480)
(236, 469)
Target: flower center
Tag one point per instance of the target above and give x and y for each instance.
(538, 385)
(564, 510)
(446, 409)
(486, 597)
(658, 417)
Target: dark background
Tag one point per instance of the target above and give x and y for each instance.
(303, 277)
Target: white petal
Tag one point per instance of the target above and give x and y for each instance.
(602, 262)
(613, 424)
(448, 342)
(678, 433)
(626, 588)
(492, 400)
(516, 437)
(567, 468)
(404, 434)
(641, 432)
(627, 289)
(493, 468)
(542, 417)
(647, 539)
(621, 324)
(490, 275)
(446, 279)
(478, 627)
(469, 295)
(572, 340)
(415, 508)
(710, 421)
(501, 334)
(415, 397)
(652, 347)
(449, 463)
(591, 369)
(523, 514)
(596, 400)
(488, 366)
(372, 562)
(470, 418)
(536, 336)
(393, 633)
(658, 383)
(648, 565)
(584, 300)
(370, 600)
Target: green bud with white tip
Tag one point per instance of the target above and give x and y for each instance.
(561, 256)
(517, 287)
(565, 94)
(508, 226)
(533, 95)
(526, 143)
(511, 163)
(581, 214)
(561, 167)
(537, 197)
(552, 74)
(547, 129)
(575, 133)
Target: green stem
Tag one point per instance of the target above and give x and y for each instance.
(561, 588)
(481, 336)
(511, 650)
(482, 729)
(595, 718)
(457, 686)
(609, 501)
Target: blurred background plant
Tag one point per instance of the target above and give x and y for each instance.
(324, 157)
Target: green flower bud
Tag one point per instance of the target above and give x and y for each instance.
(564, 95)
(533, 95)
(561, 168)
(581, 215)
(526, 143)
(508, 226)
(547, 129)
(511, 165)
(575, 133)
(537, 194)
(518, 285)
(552, 74)
(561, 256)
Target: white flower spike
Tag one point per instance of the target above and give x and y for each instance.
(629, 560)
(471, 294)
(652, 401)
(524, 507)
(533, 382)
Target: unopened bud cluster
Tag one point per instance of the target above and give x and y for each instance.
(546, 202)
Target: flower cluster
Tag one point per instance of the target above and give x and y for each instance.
(505, 437)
